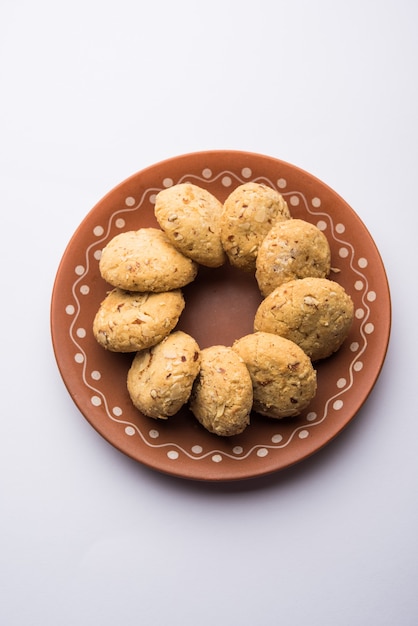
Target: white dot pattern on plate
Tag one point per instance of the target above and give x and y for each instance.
(315, 207)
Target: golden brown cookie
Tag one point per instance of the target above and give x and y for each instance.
(190, 216)
(283, 378)
(315, 313)
(291, 249)
(248, 214)
(222, 393)
(130, 321)
(145, 260)
(160, 379)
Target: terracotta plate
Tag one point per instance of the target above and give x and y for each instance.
(220, 307)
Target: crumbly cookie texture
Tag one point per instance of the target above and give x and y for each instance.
(283, 378)
(160, 379)
(190, 216)
(145, 260)
(130, 321)
(315, 313)
(222, 394)
(291, 249)
(248, 214)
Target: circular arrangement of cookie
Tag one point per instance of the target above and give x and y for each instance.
(222, 395)
(190, 216)
(248, 214)
(291, 249)
(129, 321)
(315, 313)
(145, 260)
(160, 379)
(283, 378)
(303, 317)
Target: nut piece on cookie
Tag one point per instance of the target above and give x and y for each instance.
(145, 260)
(315, 313)
(283, 378)
(249, 213)
(160, 379)
(190, 216)
(129, 321)
(291, 249)
(222, 394)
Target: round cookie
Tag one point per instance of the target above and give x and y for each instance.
(190, 216)
(145, 260)
(315, 313)
(248, 214)
(129, 321)
(160, 379)
(222, 394)
(291, 249)
(283, 378)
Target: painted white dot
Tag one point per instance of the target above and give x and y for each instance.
(340, 228)
(303, 434)
(96, 401)
(84, 290)
(153, 433)
(216, 458)
(354, 346)
(337, 405)
(359, 314)
(237, 449)
(363, 263)
(117, 411)
(341, 382)
(129, 201)
(69, 309)
(79, 270)
(282, 183)
(79, 358)
(316, 202)
(277, 438)
(322, 225)
(246, 172)
(168, 182)
(120, 222)
(96, 375)
(371, 296)
(262, 452)
(98, 231)
(358, 285)
(311, 416)
(153, 198)
(130, 431)
(294, 200)
(207, 173)
(197, 449)
(369, 328)
(226, 181)
(97, 255)
(81, 332)
(358, 366)
(173, 455)
(343, 253)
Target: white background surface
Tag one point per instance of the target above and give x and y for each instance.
(92, 92)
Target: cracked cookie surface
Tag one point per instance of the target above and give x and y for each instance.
(160, 379)
(129, 321)
(283, 378)
(190, 216)
(315, 313)
(249, 212)
(145, 260)
(292, 249)
(222, 394)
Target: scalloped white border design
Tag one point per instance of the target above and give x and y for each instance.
(277, 442)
